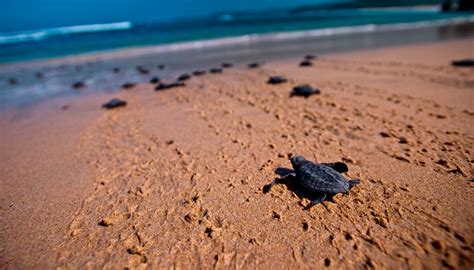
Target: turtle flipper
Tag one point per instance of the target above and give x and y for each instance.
(267, 187)
(339, 167)
(353, 182)
(316, 200)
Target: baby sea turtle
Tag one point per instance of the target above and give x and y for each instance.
(304, 91)
(199, 72)
(154, 80)
(114, 103)
(78, 85)
(165, 86)
(254, 65)
(226, 65)
(463, 63)
(324, 179)
(276, 80)
(142, 70)
(128, 85)
(306, 63)
(215, 70)
(184, 77)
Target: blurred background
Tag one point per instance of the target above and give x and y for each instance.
(167, 38)
(32, 29)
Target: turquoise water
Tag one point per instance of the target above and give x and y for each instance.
(54, 42)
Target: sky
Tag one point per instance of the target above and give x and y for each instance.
(19, 15)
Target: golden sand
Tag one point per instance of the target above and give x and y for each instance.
(175, 178)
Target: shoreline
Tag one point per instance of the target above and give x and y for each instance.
(252, 39)
(95, 71)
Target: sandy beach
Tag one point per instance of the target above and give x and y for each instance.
(175, 179)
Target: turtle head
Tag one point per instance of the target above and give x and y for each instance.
(297, 161)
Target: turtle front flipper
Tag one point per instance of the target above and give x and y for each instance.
(353, 182)
(339, 167)
(267, 187)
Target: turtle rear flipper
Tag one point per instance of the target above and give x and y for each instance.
(353, 182)
(319, 198)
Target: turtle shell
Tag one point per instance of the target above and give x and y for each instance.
(322, 178)
(304, 91)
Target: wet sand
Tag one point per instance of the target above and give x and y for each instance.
(176, 177)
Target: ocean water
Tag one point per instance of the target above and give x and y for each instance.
(187, 45)
(55, 42)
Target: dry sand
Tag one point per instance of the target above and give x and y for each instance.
(175, 179)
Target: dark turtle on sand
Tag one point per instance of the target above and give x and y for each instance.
(199, 72)
(154, 80)
(304, 91)
(215, 70)
(254, 65)
(128, 85)
(114, 103)
(226, 65)
(306, 63)
(276, 80)
(184, 77)
(165, 86)
(463, 63)
(325, 179)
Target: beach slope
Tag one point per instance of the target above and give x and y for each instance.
(176, 178)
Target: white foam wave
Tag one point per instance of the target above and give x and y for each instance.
(282, 36)
(34, 35)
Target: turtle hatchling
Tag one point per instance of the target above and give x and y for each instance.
(304, 91)
(114, 103)
(276, 80)
(324, 179)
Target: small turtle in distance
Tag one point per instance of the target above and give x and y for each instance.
(142, 70)
(165, 86)
(306, 63)
(276, 80)
(254, 65)
(128, 85)
(199, 72)
(79, 85)
(215, 70)
(183, 77)
(463, 63)
(154, 80)
(324, 179)
(304, 90)
(114, 103)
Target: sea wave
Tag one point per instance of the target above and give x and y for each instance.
(294, 35)
(35, 35)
